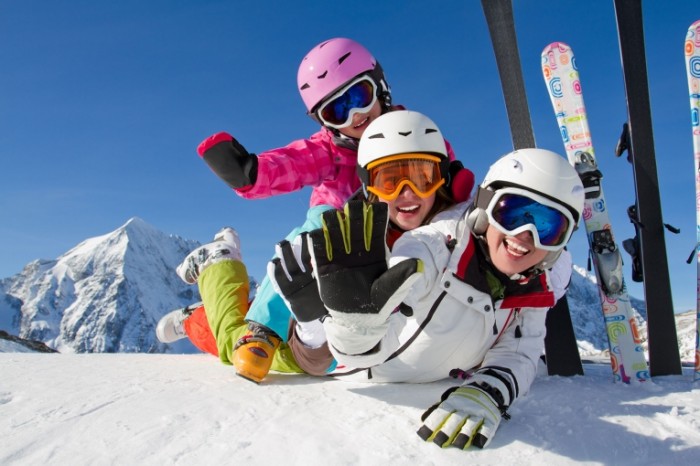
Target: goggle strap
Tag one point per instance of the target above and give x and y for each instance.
(483, 197)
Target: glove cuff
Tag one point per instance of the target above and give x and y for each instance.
(501, 385)
(229, 160)
(211, 141)
(353, 340)
(311, 334)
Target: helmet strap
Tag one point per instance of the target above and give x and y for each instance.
(341, 140)
(383, 89)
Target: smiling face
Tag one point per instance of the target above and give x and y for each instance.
(409, 210)
(360, 121)
(513, 254)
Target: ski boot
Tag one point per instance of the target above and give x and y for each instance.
(226, 246)
(253, 353)
(171, 327)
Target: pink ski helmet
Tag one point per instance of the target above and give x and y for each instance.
(332, 64)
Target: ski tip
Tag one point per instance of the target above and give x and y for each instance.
(694, 33)
(561, 46)
(692, 39)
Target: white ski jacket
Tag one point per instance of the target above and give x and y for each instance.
(455, 323)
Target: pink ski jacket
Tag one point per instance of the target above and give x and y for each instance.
(317, 162)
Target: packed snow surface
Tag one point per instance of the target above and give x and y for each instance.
(97, 409)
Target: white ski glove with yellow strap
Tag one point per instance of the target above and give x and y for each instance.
(470, 414)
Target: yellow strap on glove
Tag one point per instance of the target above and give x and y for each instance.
(350, 263)
(465, 416)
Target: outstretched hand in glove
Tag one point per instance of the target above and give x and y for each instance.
(229, 160)
(350, 262)
(293, 279)
(467, 415)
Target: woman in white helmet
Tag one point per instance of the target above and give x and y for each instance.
(472, 287)
(402, 162)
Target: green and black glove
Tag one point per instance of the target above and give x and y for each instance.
(350, 263)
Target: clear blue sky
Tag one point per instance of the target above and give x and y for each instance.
(102, 105)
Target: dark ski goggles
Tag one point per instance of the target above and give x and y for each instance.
(514, 210)
(421, 172)
(357, 97)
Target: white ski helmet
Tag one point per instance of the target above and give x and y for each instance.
(538, 171)
(400, 132)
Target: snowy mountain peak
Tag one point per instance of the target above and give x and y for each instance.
(137, 227)
(104, 295)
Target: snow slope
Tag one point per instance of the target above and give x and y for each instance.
(99, 409)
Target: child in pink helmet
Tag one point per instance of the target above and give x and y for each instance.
(344, 89)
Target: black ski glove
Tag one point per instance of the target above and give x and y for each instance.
(294, 281)
(229, 160)
(350, 260)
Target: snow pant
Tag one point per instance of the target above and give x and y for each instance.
(199, 333)
(220, 323)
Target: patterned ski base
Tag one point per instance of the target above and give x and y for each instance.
(692, 63)
(561, 76)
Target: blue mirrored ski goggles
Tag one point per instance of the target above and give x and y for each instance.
(357, 97)
(514, 210)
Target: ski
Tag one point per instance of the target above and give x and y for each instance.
(561, 348)
(692, 64)
(664, 357)
(562, 79)
(499, 17)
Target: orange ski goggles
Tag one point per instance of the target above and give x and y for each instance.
(421, 172)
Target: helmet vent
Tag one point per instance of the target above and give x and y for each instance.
(321, 76)
(405, 133)
(305, 86)
(377, 136)
(344, 57)
(430, 130)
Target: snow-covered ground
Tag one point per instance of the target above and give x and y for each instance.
(155, 409)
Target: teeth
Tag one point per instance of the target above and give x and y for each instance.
(407, 209)
(362, 122)
(516, 249)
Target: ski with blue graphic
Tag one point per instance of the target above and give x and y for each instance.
(626, 353)
(692, 63)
